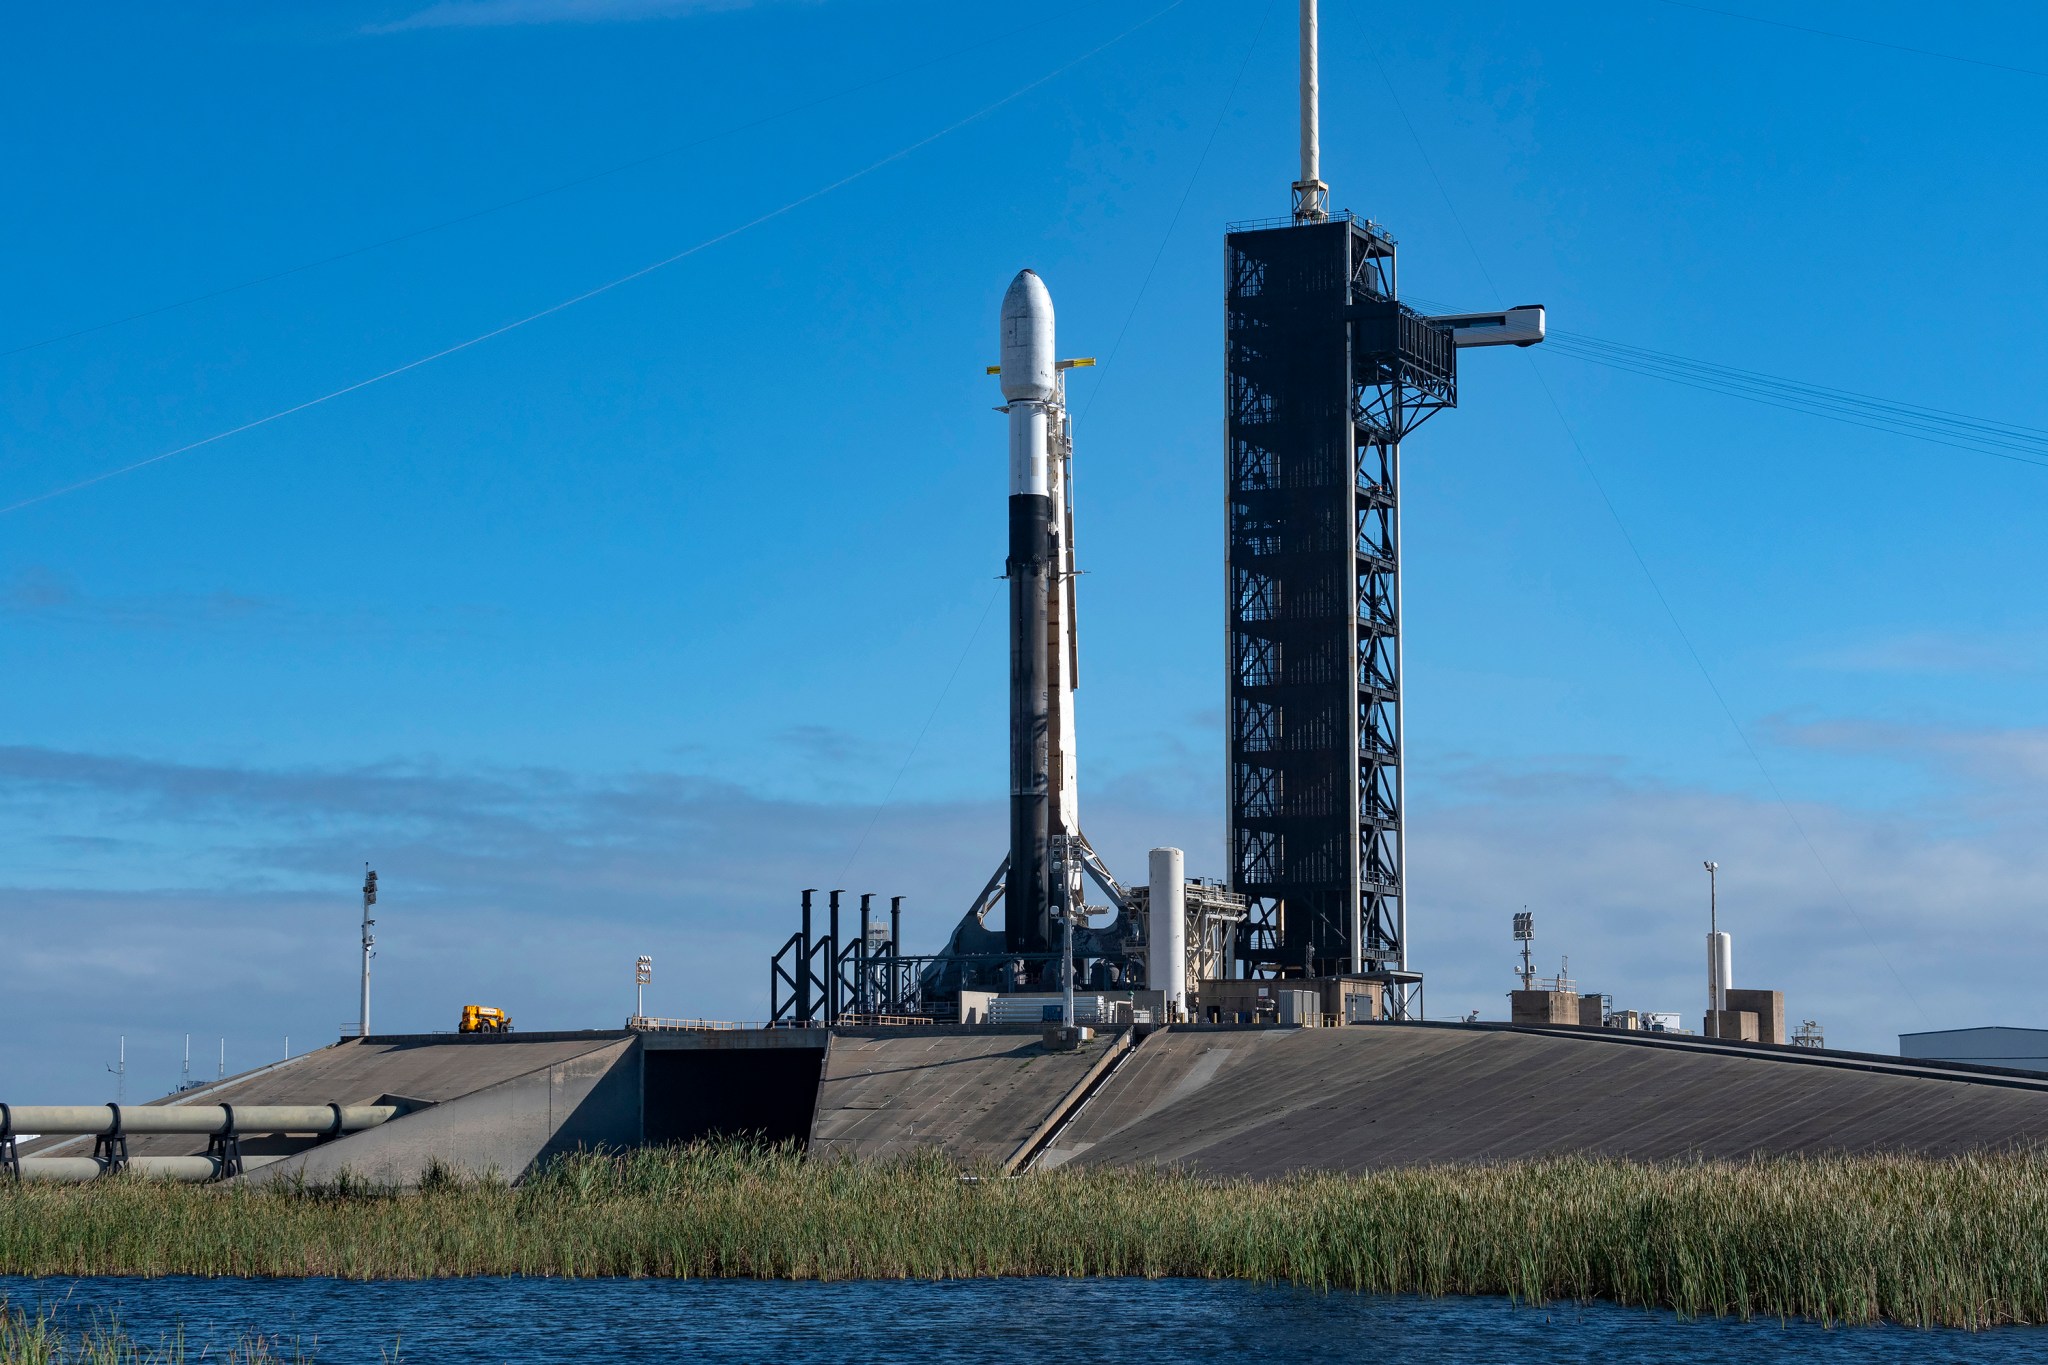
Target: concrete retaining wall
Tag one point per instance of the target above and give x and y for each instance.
(588, 1101)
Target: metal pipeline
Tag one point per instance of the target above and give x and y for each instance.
(138, 1120)
(76, 1170)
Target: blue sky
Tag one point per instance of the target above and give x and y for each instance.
(604, 635)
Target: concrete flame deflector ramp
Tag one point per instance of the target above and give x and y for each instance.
(590, 1099)
(482, 1103)
(1263, 1102)
(976, 1096)
(427, 1069)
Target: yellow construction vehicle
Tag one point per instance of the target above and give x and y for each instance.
(484, 1019)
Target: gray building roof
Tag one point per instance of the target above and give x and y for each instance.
(2022, 1048)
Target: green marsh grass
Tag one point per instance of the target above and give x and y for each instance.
(39, 1339)
(1956, 1242)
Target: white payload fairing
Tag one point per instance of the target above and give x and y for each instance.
(1046, 847)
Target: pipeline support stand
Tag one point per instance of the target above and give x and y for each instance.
(111, 1146)
(225, 1147)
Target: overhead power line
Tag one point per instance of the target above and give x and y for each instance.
(609, 285)
(1699, 662)
(1941, 426)
(1222, 113)
(1985, 435)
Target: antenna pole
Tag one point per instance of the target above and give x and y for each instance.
(1311, 195)
(369, 947)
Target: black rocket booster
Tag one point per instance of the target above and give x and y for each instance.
(1030, 386)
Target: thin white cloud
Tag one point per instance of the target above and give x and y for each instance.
(1938, 652)
(1934, 924)
(139, 888)
(517, 13)
(2000, 758)
(44, 593)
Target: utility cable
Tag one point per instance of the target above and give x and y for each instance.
(1720, 700)
(1957, 431)
(1936, 426)
(609, 285)
(1187, 192)
(1670, 613)
(1094, 390)
(1852, 38)
(501, 206)
(881, 805)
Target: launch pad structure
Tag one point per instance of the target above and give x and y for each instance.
(1326, 373)
(1221, 1009)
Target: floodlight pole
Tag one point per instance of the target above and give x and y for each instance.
(643, 972)
(1525, 932)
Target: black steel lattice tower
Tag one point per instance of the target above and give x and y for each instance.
(1325, 373)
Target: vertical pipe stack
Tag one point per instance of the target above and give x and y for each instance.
(895, 954)
(861, 1004)
(1029, 380)
(803, 975)
(832, 965)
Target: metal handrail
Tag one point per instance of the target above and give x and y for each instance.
(641, 1023)
(645, 1024)
(1262, 224)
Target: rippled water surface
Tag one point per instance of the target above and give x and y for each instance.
(1149, 1321)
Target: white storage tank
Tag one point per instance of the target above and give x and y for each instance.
(1720, 968)
(1166, 930)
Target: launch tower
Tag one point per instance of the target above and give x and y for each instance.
(1326, 372)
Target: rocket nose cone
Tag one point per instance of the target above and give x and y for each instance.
(1027, 293)
(1027, 339)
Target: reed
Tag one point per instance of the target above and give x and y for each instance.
(1955, 1242)
(40, 1339)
